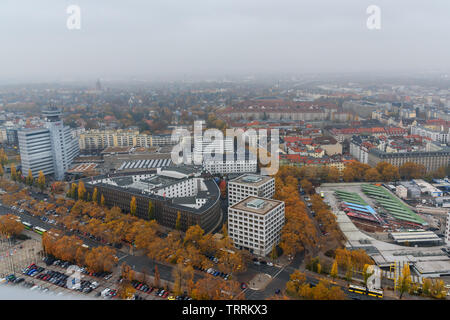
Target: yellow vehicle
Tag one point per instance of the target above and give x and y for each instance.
(171, 298)
(364, 290)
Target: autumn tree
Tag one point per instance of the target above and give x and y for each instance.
(411, 170)
(333, 175)
(101, 259)
(2, 171)
(29, 179)
(133, 206)
(73, 190)
(372, 174)
(404, 281)
(355, 171)
(3, 157)
(41, 180)
(13, 172)
(307, 186)
(182, 275)
(387, 171)
(81, 190)
(95, 195)
(334, 270)
(438, 289)
(296, 281)
(9, 225)
(426, 286)
(102, 200)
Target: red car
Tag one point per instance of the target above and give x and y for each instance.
(139, 286)
(165, 295)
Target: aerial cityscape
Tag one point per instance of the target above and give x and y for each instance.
(242, 183)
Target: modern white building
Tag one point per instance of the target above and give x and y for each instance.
(50, 149)
(255, 224)
(250, 185)
(231, 163)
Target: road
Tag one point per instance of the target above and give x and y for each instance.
(139, 263)
(144, 264)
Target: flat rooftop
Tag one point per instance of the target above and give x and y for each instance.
(257, 205)
(251, 179)
(414, 236)
(125, 149)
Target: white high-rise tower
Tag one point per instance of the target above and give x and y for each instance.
(50, 149)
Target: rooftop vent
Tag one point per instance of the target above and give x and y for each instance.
(256, 204)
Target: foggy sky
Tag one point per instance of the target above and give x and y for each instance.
(150, 38)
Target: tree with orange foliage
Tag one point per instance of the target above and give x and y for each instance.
(372, 174)
(133, 206)
(210, 288)
(9, 225)
(81, 190)
(411, 170)
(101, 259)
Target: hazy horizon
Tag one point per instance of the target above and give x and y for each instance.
(172, 39)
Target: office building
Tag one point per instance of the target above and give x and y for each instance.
(250, 185)
(255, 224)
(50, 149)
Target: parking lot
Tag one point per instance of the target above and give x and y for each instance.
(56, 277)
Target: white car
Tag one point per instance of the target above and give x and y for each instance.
(270, 264)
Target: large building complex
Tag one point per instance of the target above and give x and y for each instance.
(231, 163)
(255, 224)
(442, 136)
(171, 191)
(97, 140)
(432, 160)
(250, 185)
(50, 149)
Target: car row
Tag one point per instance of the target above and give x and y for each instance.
(262, 262)
(65, 264)
(213, 272)
(107, 293)
(212, 258)
(32, 270)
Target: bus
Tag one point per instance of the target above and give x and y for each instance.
(366, 291)
(27, 225)
(39, 230)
